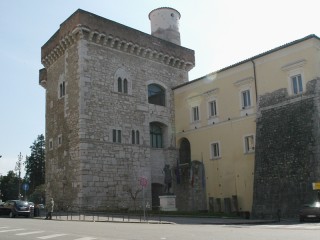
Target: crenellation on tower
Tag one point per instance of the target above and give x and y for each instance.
(111, 34)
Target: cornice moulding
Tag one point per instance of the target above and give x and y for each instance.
(243, 81)
(110, 41)
(294, 65)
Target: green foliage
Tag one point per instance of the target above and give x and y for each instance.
(9, 186)
(38, 196)
(35, 164)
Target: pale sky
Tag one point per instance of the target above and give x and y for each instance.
(221, 32)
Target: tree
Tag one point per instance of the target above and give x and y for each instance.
(134, 194)
(35, 164)
(38, 196)
(9, 186)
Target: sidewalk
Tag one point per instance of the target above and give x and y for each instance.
(216, 221)
(155, 219)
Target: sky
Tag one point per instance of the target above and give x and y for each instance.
(221, 32)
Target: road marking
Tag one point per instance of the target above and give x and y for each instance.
(3, 227)
(282, 226)
(292, 226)
(28, 233)
(51, 236)
(85, 238)
(12, 230)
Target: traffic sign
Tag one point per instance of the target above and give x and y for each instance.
(316, 186)
(25, 186)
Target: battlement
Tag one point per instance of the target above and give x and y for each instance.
(85, 25)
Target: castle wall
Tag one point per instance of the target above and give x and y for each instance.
(88, 165)
(287, 152)
(109, 170)
(62, 124)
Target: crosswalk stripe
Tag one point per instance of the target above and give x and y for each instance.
(85, 238)
(52, 236)
(294, 226)
(3, 227)
(28, 233)
(12, 230)
(313, 227)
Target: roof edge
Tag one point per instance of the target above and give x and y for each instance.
(253, 58)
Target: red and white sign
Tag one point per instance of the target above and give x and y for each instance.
(143, 181)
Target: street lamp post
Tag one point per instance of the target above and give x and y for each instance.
(18, 168)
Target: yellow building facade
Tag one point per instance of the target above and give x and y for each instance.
(217, 115)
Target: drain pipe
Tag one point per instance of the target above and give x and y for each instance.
(255, 79)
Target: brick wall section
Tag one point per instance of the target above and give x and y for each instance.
(287, 152)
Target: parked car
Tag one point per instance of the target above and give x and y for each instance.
(15, 208)
(310, 212)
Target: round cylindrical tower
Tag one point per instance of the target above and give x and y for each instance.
(165, 24)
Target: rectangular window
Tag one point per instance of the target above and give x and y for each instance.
(119, 136)
(133, 138)
(137, 137)
(62, 89)
(249, 144)
(195, 113)
(50, 144)
(116, 136)
(215, 151)
(59, 140)
(297, 84)
(246, 101)
(213, 108)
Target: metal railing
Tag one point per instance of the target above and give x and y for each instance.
(104, 216)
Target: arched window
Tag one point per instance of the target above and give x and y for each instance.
(156, 94)
(156, 135)
(122, 82)
(125, 85)
(119, 85)
(185, 151)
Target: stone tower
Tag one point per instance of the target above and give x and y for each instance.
(109, 109)
(165, 24)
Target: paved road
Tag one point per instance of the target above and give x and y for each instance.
(35, 229)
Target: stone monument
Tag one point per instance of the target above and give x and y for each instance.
(167, 201)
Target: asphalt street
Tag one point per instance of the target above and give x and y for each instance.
(187, 229)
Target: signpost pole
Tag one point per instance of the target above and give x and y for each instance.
(143, 183)
(144, 205)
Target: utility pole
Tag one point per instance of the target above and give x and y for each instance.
(18, 169)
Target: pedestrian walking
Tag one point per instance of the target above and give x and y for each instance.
(50, 207)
